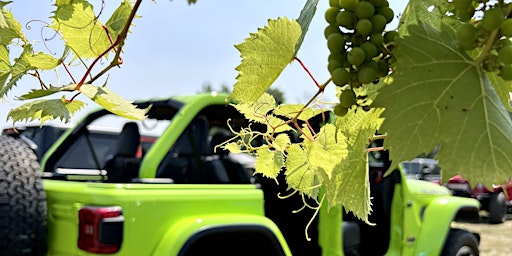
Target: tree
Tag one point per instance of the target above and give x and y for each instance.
(441, 80)
(276, 93)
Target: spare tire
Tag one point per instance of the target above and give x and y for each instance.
(22, 200)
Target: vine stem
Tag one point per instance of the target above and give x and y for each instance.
(119, 43)
(321, 89)
(307, 71)
(492, 39)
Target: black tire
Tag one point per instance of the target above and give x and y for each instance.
(497, 208)
(22, 200)
(460, 243)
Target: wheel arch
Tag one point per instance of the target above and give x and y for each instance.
(437, 219)
(184, 236)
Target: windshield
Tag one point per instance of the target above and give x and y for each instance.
(420, 167)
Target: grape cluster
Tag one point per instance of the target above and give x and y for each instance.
(358, 45)
(486, 24)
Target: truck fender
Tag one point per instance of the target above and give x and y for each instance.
(437, 218)
(181, 233)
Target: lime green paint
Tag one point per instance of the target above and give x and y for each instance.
(193, 104)
(165, 216)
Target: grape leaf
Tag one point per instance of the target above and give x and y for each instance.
(349, 185)
(118, 19)
(502, 87)
(327, 150)
(10, 28)
(42, 61)
(441, 96)
(291, 110)
(269, 162)
(257, 111)
(113, 102)
(300, 175)
(430, 12)
(260, 111)
(45, 110)
(5, 66)
(306, 16)
(309, 165)
(18, 70)
(281, 142)
(79, 27)
(264, 56)
(38, 93)
(3, 22)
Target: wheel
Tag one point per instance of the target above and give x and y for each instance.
(22, 200)
(497, 208)
(460, 243)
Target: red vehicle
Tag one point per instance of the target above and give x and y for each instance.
(497, 201)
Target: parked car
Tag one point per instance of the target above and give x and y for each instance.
(496, 201)
(41, 138)
(422, 169)
(182, 198)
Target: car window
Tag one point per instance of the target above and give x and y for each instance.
(93, 148)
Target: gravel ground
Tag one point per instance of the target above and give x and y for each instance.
(495, 239)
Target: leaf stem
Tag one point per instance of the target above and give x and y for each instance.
(307, 71)
(119, 43)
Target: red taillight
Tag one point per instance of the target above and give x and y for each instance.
(100, 229)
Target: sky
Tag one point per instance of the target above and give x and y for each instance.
(176, 48)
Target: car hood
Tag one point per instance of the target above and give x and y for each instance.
(425, 187)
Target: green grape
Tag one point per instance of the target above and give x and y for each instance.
(340, 76)
(334, 3)
(503, 42)
(339, 110)
(366, 75)
(347, 98)
(492, 19)
(465, 14)
(506, 28)
(364, 27)
(378, 23)
(466, 32)
(382, 68)
(369, 63)
(466, 35)
(379, 3)
(333, 64)
(336, 56)
(370, 50)
(364, 10)
(356, 56)
(461, 4)
(330, 30)
(330, 15)
(336, 42)
(346, 19)
(387, 13)
(341, 57)
(349, 4)
(506, 72)
(467, 45)
(377, 39)
(390, 36)
(505, 55)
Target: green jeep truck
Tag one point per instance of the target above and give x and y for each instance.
(172, 194)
